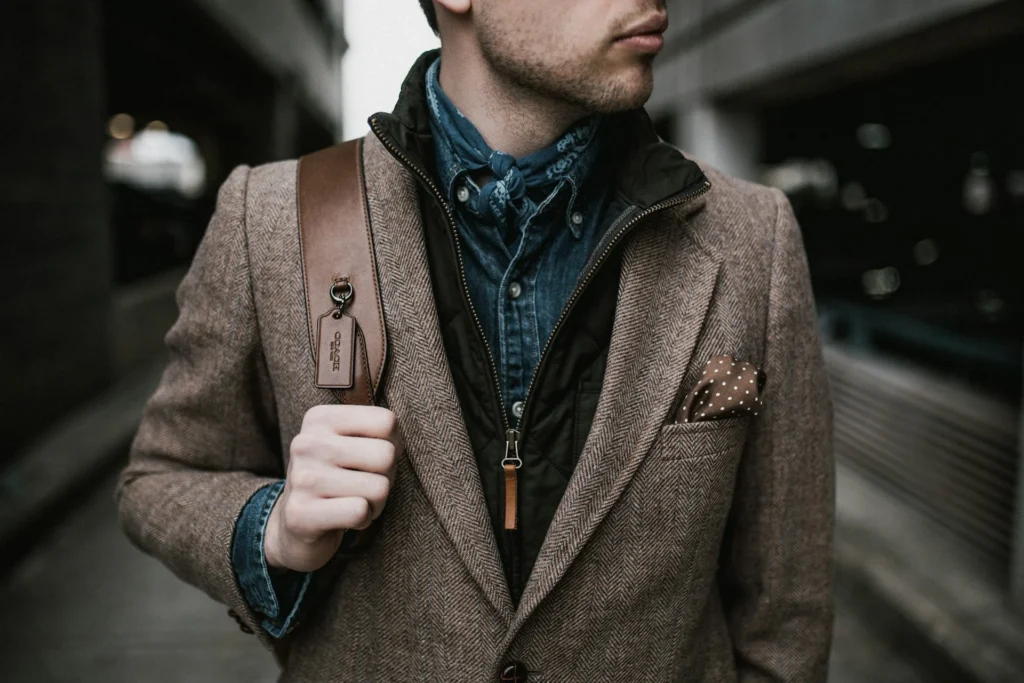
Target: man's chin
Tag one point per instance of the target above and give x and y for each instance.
(625, 92)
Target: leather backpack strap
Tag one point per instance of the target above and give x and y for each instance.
(337, 247)
(336, 241)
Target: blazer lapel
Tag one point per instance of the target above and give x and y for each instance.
(419, 387)
(666, 285)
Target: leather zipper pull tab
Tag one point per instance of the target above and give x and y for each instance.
(510, 463)
(336, 342)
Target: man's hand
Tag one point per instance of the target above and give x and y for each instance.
(339, 475)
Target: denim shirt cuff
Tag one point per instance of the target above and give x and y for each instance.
(276, 594)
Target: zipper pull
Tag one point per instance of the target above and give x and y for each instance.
(510, 463)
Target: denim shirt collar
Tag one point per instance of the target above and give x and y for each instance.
(565, 165)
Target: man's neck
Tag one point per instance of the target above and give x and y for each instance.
(511, 119)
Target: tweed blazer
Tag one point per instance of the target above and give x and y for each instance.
(680, 551)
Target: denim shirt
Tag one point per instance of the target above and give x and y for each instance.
(525, 240)
(274, 594)
(521, 262)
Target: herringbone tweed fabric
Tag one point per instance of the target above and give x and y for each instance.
(680, 552)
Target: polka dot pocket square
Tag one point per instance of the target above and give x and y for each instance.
(728, 388)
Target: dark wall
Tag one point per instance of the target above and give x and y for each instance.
(55, 274)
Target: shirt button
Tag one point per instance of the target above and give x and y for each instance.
(577, 218)
(514, 290)
(517, 408)
(462, 194)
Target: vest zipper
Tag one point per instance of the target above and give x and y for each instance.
(512, 461)
(509, 465)
(401, 156)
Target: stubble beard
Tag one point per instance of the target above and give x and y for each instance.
(572, 81)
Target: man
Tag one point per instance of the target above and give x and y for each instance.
(558, 488)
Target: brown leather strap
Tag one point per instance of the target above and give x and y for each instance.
(337, 242)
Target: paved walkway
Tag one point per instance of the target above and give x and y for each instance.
(87, 607)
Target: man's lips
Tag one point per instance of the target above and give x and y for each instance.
(643, 42)
(646, 36)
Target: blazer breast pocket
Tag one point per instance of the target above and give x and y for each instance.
(694, 440)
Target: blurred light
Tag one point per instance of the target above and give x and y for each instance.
(979, 189)
(121, 126)
(798, 175)
(157, 160)
(926, 252)
(852, 196)
(157, 125)
(881, 283)
(1015, 184)
(874, 136)
(989, 304)
(824, 178)
(875, 211)
(785, 177)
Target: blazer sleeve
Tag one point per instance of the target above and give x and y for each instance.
(776, 566)
(207, 440)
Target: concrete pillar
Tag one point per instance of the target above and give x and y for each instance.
(731, 141)
(55, 248)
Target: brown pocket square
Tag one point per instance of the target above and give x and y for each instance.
(727, 388)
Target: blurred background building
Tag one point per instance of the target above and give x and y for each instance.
(120, 122)
(892, 126)
(895, 130)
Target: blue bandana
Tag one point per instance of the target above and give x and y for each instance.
(506, 196)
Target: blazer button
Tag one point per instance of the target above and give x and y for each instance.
(512, 672)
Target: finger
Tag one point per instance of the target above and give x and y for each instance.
(339, 483)
(362, 454)
(322, 515)
(367, 421)
(350, 452)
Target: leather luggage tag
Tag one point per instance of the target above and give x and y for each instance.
(335, 350)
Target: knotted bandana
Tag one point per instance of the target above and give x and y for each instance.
(505, 195)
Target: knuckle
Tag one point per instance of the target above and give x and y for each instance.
(303, 479)
(305, 524)
(312, 415)
(380, 488)
(296, 517)
(361, 513)
(303, 445)
(378, 420)
(388, 422)
(321, 414)
(361, 508)
(388, 455)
